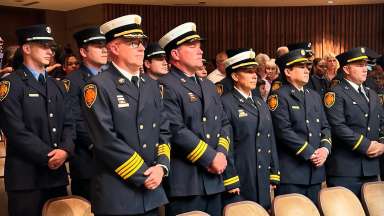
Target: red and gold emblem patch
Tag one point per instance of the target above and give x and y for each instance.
(273, 102)
(67, 84)
(381, 98)
(329, 99)
(4, 89)
(90, 94)
(276, 85)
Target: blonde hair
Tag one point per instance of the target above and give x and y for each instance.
(331, 55)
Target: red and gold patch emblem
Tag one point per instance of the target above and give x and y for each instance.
(4, 89)
(219, 88)
(67, 84)
(276, 85)
(90, 94)
(329, 99)
(273, 102)
(334, 83)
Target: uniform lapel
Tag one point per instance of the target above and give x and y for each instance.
(85, 73)
(188, 83)
(355, 96)
(144, 91)
(205, 94)
(124, 85)
(372, 100)
(244, 104)
(32, 82)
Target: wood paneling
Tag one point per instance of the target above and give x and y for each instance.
(329, 28)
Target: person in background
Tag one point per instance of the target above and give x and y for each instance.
(219, 73)
(91, 45)
(155, 62)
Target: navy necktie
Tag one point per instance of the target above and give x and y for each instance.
(41, 79)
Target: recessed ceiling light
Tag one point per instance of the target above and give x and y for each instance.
(330, 2)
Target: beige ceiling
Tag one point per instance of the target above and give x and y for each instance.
(65, 5)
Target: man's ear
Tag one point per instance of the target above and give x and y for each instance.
(26, 48)
(235, 77)
(175, 54)
(83, 52)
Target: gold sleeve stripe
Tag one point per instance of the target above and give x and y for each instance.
(134, 170)
(232, 180)
(274, 177)
(358, 142)
(198, 151)
(302, 148)
(131, 167)
(164, 149)
(126, 163)
(326, 140)
(224, 142)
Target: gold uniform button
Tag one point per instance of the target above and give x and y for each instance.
(154, 125)
(54, 130)
(145, 146)
(317, 120)
(269, 167)
(141, 127)
(208, 136)
(269, 135)
(258, 134)
(366, 115)
(204, 119)
(157, 144)
(269, 151)
(55, 145)
(319, 134)
(307, 121)
(259, 166)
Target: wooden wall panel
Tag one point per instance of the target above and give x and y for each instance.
(329, 28)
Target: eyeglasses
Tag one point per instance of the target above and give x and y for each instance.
(135, 43)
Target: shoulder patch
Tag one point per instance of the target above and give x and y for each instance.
(334, 83)
(90, 94)
(219, 88)
(67, 84)
(161, 87)
(4, 89)
(381, 98)
(329, 99)
(273, 102)
(276, 85)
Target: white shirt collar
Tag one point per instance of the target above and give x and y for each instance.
(125, 73)
(243, 94)
(355, 86)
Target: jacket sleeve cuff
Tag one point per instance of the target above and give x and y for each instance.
(223, 145)
(305, 151)
(274, 178)
(232, 183)
(202, 154)
(361, 145)
(326, 143)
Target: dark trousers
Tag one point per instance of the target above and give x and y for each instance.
(310, 191)
(154, 212)
(210, 204)
(31, 202)
(352, 183)
(81, 187)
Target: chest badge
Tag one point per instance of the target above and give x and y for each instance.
(90, 94)
(192, 97)
(4, 89)
(242, 113)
